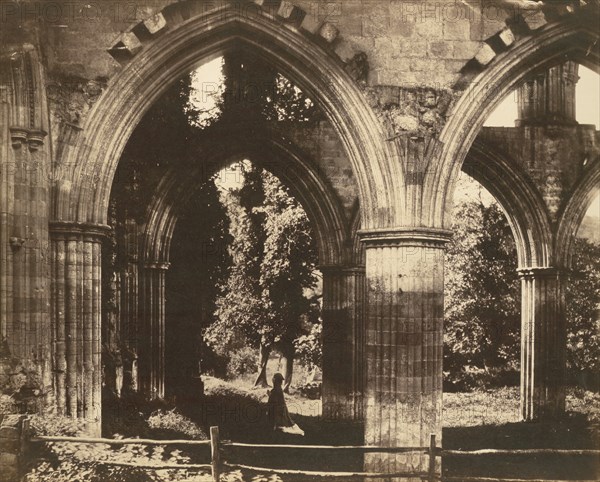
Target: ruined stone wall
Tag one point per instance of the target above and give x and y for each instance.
(407, 44)
(554, 156)
(323, 145)
(405, 40)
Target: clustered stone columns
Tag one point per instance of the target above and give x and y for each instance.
(152, 331)
(76, 319)
(404, 342)
(543, 343)
(343, 342)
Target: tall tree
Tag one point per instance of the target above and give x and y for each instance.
(263, 301)
(482, 302)
(583, 314)
(482, 298)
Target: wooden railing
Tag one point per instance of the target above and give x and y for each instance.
(217, 463)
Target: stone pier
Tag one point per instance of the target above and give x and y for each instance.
(76, 319)
(404, 341)
(152, 330)
(542, 343)
(343, 343)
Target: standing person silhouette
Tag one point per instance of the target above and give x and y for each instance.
(278, 415)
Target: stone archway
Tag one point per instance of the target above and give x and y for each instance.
(274, 153)
(98, 146)
(294, 169)
(572, 37)
(574, 211)
(89, 160)
(532, 230)
(522, 204)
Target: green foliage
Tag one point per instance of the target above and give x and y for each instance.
(274, 259)
(242, 361)
(57, 425)
(94, 462)
(482, 304)
(255, 91)
(583, 309)
(309, 351)
(482, 301)
(172, 422)
(290, 104)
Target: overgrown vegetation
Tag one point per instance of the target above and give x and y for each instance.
(483, 305)
(266, 301)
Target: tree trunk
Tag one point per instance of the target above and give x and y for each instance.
(287, 353)
(261, 378)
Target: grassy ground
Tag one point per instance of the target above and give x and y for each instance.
(477, 420)
(489, 419)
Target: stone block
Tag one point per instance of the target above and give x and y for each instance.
(329, 32)
(485, 55)
(457, 30)
(534, 19)
(507, 37)
(466, 50)
(440, 49)
(155, 24)
(285, 9)
(311, 24)
(127, 43)
(344, 51)
(429, 29)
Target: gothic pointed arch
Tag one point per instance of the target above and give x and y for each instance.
(522, 203)
(271, 152)
(154, 60)
(572, 37)
(574, 212)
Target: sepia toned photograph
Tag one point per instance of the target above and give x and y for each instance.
(296, 241)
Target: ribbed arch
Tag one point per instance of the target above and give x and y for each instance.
(279, 157)
(520, 200)
(574, 211)
(87, 170)
(574, 38)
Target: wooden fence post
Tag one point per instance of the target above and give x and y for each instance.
(214, 453)
(25, 436)
(432, 455)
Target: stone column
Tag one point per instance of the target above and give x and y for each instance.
(404, 342)
(548, 98)
(129, 305)
(76, 319)
(152, 330)
(543, 343)
(343, 343)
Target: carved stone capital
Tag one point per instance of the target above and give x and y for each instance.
(542, 272)
(88, 231)
(406, 236)
(34, 138)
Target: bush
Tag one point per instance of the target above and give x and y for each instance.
(308, 348)
(57, 425)
(171, 422)
(311, 390)
(57, 462)
(243, 362)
